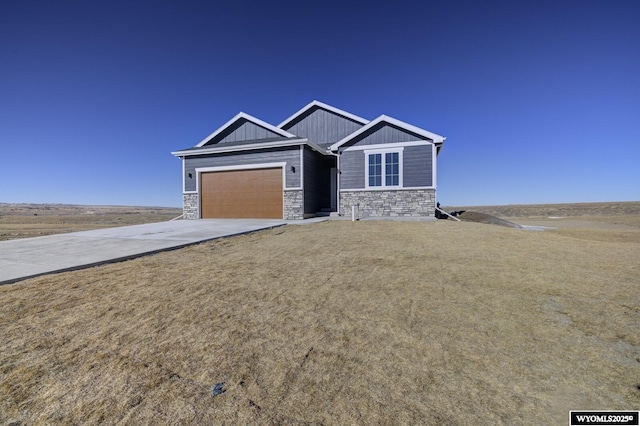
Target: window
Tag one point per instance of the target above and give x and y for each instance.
(383, 169)
(375, 169)
(392, 169)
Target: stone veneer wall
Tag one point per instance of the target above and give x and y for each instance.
(294, 205)
(400, 203)
(190, 207)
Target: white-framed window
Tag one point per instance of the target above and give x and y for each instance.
(383, 168)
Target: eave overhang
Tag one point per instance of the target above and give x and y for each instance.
(248, 147)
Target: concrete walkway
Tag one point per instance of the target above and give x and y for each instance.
(30, 257)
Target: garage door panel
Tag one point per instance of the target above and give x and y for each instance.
(242, 194)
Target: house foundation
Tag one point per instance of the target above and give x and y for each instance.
(294, 205)
(190, 206)
(396, 203)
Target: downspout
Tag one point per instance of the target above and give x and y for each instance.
(337, 180)
(434, 170)
(338, 173)
(184, 182)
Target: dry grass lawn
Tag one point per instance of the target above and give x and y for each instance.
(334, 323)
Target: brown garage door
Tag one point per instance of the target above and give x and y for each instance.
(242, 194)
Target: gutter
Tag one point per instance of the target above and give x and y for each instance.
(337, 155)
(249, 147)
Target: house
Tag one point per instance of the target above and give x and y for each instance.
(321, 159)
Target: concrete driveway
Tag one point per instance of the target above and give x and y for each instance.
(30, 257)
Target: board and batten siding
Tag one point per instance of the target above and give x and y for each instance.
(291, 156)
(243, 130)
(323, 127)
(417, 167)
(384, 133)
(352, 170)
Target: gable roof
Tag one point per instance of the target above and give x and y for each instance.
(318, 104)
(437, 139)
(247, 117)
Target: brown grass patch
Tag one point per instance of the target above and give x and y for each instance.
(336, 323)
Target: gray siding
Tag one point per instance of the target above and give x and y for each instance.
(322, 127)
(317, 180)
(417, 168)
(352, 170)
(384, 133)
(289, 155)
(242, 130)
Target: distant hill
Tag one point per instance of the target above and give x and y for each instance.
(555, 210)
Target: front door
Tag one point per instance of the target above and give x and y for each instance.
(334, 189)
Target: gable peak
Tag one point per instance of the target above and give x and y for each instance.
(317, 104)
(244, 116)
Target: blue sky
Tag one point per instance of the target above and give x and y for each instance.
(539, 100)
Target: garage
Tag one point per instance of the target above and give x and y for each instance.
(255, 193)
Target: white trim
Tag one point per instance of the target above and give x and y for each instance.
(247, 117)
(437, 139)
(241, 167)
(339, 178)
(249, 147)
(434, 167)
(325, 107)
(184, 178)
(191, 192)
(400, 151)
(293, 189)
(302, 166)
(201, 170)
(388, 188)
(387, 145)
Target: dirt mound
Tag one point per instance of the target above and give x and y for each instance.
(468, 216)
